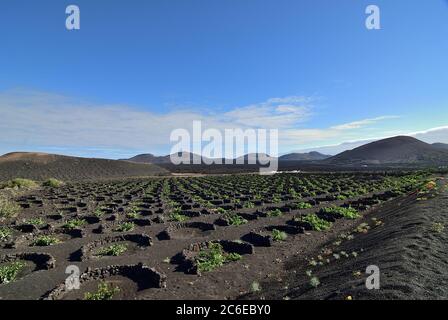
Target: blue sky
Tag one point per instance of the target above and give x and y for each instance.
(138, 69)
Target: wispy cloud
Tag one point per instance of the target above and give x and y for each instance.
(31, 118)
(362, 123)
(275, 113)
(294, 137)
(433, 135)
(55, 122)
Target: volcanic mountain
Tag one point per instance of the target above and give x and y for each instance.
(442, 146)
(310, 156)
(248, 158)
(396, 150)
(150, 158)
(41, 166)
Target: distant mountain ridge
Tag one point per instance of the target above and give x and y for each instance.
(397, 151)
(146, 158)
(149, 158)
(152, 159)
(443, 146)
(309, 156)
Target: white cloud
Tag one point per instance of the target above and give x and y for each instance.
(54, 122)
(302, 136)
(337, 148)
(30, 118)
(362, 123)
(274, 113)
(294, 137)
(433, 135)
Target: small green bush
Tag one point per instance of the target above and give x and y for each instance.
(303, 205)
(8, 208)
(113, 250)
(133, 212)
(35, 222)
(235, 220)
(9, 272)
(232, 257)
(349, 213)
(98, 212)
(74, 224)
(278, 235)
(53, 183)
(44, 241)
(314, 282)
(175, 216)
(214, 257)
(5, 233)
(248, 205)
(132, 215)
(105, 292)
(274, 213)
(125, 227)
(316, 223)
(19, 183)
(221, 210)
(438, 227)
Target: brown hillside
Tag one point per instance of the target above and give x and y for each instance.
(41, 166)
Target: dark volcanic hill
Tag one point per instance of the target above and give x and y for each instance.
(442, 146)
(41, 166)
(252, 158)
(146, 158)
(310, 156)
(397, 150)
(150, 158)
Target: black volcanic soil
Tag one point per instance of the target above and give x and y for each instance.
(227, 282)
(38, 166)
(399, 247)
(288, 166)
(408, 247)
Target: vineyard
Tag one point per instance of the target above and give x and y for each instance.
(179, 237)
